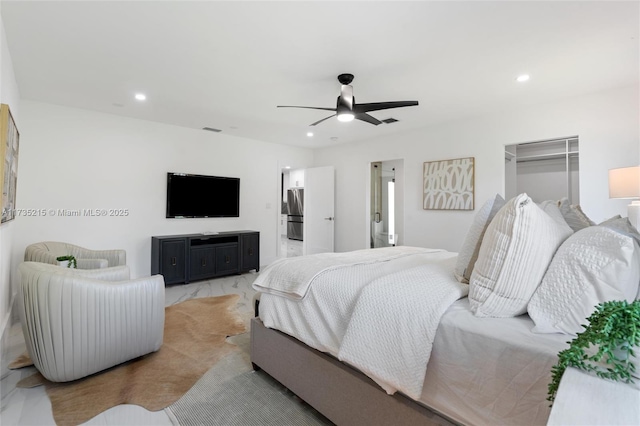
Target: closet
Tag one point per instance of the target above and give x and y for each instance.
(545, 170)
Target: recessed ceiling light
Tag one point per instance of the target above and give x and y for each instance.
(141, 96)
(287, 167)
(309, 134)
(522, 78)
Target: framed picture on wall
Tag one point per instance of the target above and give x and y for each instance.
(9, 144)
(448, 184)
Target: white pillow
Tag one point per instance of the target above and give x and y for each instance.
(471, 247)
(594, 265)
(515, 252)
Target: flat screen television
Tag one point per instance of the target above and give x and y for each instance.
(202, 196)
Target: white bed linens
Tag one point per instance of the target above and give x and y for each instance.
(480, 371)
(351, 305)
(291, 277)
(490, 371)
(393, 325)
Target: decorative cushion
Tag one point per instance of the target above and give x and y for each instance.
(515, 252)
(471, 247)
(551, 208)
(623, 226)
(573, 215)
(594, 265)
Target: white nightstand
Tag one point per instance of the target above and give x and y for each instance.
(584, 399)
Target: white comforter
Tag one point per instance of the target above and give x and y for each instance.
(379, 316)
(291, 277)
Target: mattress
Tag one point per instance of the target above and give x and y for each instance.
(481, 370)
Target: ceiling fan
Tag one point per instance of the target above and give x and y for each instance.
(346, 108)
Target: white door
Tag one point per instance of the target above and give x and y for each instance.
(318, 228)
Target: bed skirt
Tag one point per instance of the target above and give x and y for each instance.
(341, 393)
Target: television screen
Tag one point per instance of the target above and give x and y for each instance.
(202, 196)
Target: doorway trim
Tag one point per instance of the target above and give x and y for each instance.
(399, 191)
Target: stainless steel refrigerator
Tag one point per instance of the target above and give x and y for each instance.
(295, 213)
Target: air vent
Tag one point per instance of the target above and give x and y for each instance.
(211, 129)
(389, 120)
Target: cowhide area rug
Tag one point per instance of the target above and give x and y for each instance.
(195, 335)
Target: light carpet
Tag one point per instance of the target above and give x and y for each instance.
(194, 340)
(232, 394)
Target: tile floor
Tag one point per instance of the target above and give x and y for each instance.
(32, 406)
(292, 248)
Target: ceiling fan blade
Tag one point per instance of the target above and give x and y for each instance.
(320, 121)
(369, 119)
(305, 107)
(377, 106)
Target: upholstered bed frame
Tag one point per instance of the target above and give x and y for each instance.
(344, 395)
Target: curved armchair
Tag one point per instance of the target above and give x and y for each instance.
(79, 322)
(48, 251)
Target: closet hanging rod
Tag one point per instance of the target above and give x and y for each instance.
(540, 157)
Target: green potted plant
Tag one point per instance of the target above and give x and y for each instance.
(68, 261)
(605, 347)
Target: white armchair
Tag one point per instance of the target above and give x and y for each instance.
(80, 322)
(48, 251)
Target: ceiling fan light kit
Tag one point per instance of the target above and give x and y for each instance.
(346, 108)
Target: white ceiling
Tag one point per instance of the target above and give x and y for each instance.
(228, 64)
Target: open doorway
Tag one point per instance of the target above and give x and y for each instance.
(290, 228)
(386, 203)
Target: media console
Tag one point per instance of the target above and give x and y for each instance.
(192, 257)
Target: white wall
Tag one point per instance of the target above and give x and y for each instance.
(8, 95)
(79, 159)
(606, 122)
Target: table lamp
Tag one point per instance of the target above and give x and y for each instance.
(625, 183)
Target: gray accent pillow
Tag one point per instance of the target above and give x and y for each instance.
(471, 247)
(573, 215)
(622, 226)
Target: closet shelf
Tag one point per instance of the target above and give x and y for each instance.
(539, 157)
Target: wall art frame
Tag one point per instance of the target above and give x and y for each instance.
(449, 184)
(9, 149)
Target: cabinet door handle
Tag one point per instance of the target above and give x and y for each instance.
(250, 251)
(227, 259)
(204, 262)
(174, 261)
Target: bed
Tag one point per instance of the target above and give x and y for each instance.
(408, 335)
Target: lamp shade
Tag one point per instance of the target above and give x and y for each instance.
(624, 182)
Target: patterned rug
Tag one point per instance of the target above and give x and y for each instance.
(194, 340)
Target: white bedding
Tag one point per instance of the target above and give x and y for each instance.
(490, 370)
(291, 277)
(480, 370)
(341, 313)
(391, 341)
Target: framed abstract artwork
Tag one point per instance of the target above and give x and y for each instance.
(9, 144)
(448, 184)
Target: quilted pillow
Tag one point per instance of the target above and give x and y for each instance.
(515, 252)
(594, 265)
(470, 248)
